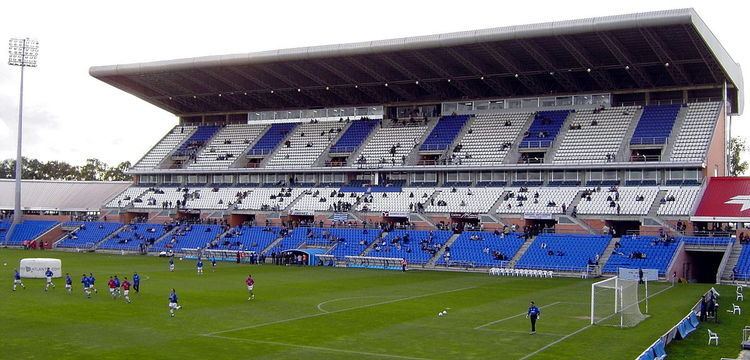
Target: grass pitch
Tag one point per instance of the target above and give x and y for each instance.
(321, 313)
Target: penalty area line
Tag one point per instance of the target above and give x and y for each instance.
(513, 316)
(338, 311)
(319, 348)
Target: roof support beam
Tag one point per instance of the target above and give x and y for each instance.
(463, 88)
(343, 96)
(310, 95)
(579, 53)
(290, 100)
(136, 81)
(373, 96)
(625, 60)
(432, 89)
(229, 84)
(532, 85)
(713, 69)
(540, 57)
(674, 70)
(375, 75)
(493, 83)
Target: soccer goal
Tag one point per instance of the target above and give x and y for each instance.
(615, 302)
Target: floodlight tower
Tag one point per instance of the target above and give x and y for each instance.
(23, 53)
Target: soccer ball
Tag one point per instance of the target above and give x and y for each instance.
(180, 259)
(440, 314)
(5, 264)
(444, 312)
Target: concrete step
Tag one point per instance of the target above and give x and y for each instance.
(521, 251)
(440, 252)
(606, 255)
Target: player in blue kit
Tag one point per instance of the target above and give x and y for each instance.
(68, 283)
(117, 286)
(136, 282)
(86, 282)
(92, 282)
(199, 265)
(173, 306)
(171, 264)
(48, 274)
(533, 314)
(17, 280)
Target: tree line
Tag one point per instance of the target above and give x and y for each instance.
(92, 170)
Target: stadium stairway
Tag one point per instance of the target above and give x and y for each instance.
(241, 159)
(439, 253)
(51, 236)
(413, 156)
(578, 222)
(111, 235)
(324, 156)
(734, 257)
(656, 204)
(513, 154)
(272, 245)
(278, 147)
(417, 217)
(623, 154)
(374, 243)
(679, 121)
(164, 237)
(606, 255)
(352, 159)
(521, 251)
(459, 137)
(552, 150)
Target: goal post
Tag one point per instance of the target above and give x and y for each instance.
(615, 301)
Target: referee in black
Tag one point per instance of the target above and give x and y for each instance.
(533, 314)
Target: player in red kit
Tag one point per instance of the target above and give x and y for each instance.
(250, 282)
(126, 289)
(112, 287)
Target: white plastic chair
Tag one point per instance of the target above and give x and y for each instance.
(736, 310)
(713, 336)
(740, 296)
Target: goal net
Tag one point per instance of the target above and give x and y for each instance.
(615, 302)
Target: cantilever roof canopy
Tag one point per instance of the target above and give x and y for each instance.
(652, 51)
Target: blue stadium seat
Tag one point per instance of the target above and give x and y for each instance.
(418, 249)
(655, 124)
(547, 123)
(26, 230)
(271, 139)
(252, 238)
(658, 255)
(353, 137)
(569, 252)
(466, 250)
(133, 236)
(189, 237)
(196, 140)
(87, 234)
(443, 134)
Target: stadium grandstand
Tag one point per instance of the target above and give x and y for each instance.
(573, 146)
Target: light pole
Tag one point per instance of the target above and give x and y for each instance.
(23, 53)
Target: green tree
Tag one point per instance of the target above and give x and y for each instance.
(117, 173)
(93, 170)
(737, 146)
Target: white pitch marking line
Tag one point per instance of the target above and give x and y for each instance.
(545, 347)
(514, 316)
(338, 311)
(522, 332)
(320, 306)
(320, 348)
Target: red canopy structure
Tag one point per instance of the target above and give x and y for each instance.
(725, 199)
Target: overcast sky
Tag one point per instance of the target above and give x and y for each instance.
(71, 116)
